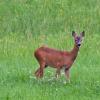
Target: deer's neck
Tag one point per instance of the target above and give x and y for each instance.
(74, 52)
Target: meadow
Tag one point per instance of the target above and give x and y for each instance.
(26, 25)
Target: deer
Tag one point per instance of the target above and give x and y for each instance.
(58, 59)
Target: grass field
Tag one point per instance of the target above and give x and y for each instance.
(26, 25)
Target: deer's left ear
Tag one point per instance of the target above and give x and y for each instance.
(73, 33)
(82, 34)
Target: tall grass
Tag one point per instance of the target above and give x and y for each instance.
(30, 17)
(26, 25)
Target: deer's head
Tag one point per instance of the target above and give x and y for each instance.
(78, 38)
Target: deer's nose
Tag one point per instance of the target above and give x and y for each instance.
(79, 45)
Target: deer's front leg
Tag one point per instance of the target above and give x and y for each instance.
(67, 74)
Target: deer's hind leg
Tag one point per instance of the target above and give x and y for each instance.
(39, 71)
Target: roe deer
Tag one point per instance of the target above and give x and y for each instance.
(57, 59)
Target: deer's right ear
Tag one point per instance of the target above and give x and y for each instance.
(83, 34)
(73, 33)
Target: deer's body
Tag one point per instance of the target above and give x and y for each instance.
(55, 58)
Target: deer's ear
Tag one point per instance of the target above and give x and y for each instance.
(73, 33)
(83, 34)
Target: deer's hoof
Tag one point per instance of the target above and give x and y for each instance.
(66, 82)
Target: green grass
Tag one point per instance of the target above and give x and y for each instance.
(26, 25)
